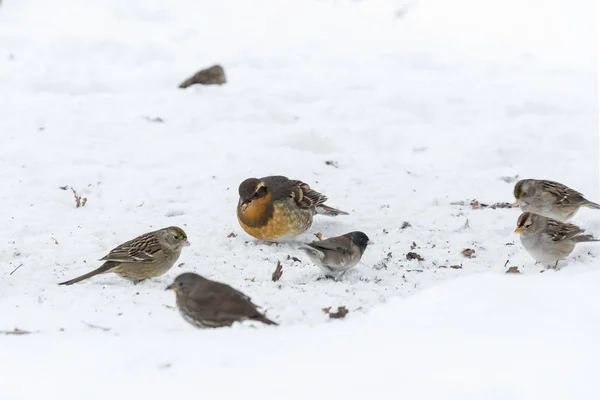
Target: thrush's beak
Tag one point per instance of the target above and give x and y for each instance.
(519, 229)
(171, 286)
(370, 242)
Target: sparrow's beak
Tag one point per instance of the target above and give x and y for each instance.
(369, 242)
(519, 229)
(186, 242)
(518, 202)
(171, 286)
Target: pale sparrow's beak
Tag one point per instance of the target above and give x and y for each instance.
(186, 242)
(519, 229)
(171, 286)
(370, 242)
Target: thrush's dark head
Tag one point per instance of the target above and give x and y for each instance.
(252, 189)
(185, 283)
(359, 239)
(524, 189)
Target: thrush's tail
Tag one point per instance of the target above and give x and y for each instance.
(264, 320)
(585, 238)
(107, 266)
(591, 204)
(329, 211)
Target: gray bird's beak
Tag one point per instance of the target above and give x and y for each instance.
(186, 241)
(171, 286)
(369, 242)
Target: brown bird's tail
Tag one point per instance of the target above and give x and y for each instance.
(585, 238)
(591, 204)
(264, 320)
(329, 211)
(107, 266)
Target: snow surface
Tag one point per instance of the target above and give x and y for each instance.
(420, 103)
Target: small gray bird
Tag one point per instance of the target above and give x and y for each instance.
(337, 254)
(209, 304)
(147, 256)
(547, 239)
(550, 199)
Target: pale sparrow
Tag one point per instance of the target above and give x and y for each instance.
(547, 239)
(209, 304)
(550, 199)
(337, 254)
(147, 256)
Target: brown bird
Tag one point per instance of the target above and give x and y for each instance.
(209, 304)
(337, 254)
(147, 256)
(275, 207)
(214, 75)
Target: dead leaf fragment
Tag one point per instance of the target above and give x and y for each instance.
(319, 235)
(277, 273)
(468, 253)
(414, 256)
(295, 259)
(231, 235)
(340, 313)
(513, 270)
(180, 265)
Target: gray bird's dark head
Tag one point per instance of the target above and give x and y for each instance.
(185, 283)
(173, 237)
(250, 190)
(359, 239)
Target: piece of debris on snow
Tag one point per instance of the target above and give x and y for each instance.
(93, 326)
(79, 201)
(180, 265)
(156, 119)
(405, 225)
(513, 270)
(214, 75)
(332, 163)
(468, 253)
(509, 179)
(476, 205)
(319, 235)
(295, 259)
(451, 266)
(383, 263)
(414, 256)
(16, 331)
(277, 273)
(340, 313)
(413, 246)
(231, 235)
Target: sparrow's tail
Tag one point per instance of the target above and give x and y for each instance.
(329, 211)
(264, 320)
(107, 266)
(585, 238)
(591, 204)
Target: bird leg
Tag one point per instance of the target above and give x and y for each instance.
(556, 265)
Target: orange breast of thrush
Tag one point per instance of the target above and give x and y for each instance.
(284, 223)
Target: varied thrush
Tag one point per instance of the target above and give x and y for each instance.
(276, 207)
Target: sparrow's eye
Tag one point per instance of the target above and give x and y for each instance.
(175, 237)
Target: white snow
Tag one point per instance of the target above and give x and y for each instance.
(421, 104)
